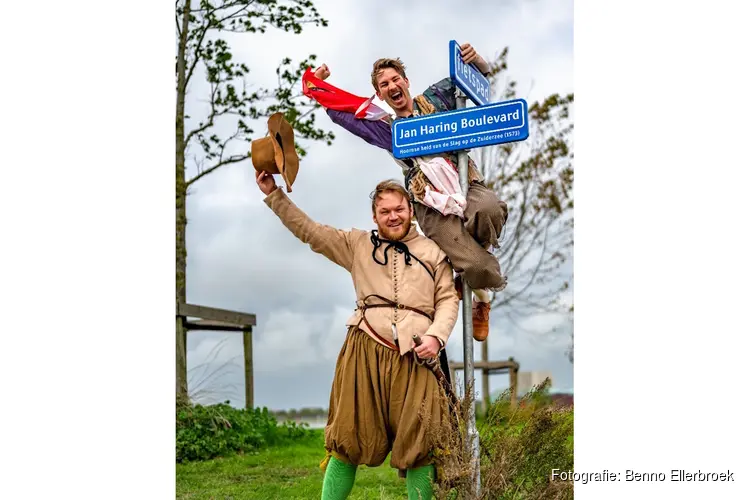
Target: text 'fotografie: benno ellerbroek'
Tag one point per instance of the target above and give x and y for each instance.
(677, 475)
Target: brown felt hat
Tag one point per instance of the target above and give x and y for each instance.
(275, 153)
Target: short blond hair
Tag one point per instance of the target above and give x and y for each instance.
(389, 186)
(385, 63)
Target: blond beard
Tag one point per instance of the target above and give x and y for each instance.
(388, 232)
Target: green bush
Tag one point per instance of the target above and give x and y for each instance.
(205, 432)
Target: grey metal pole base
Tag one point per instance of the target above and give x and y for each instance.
(472, 434)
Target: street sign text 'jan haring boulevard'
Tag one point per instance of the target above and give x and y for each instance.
(467, 128)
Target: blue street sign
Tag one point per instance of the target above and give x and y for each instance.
(467, 128)
(467, 77)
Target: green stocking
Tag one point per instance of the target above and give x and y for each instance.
(338, 481)
(419, 482)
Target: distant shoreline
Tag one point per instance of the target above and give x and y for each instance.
(315, 422)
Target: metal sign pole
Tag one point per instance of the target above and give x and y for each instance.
(473, 436)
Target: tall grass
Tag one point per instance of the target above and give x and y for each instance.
(519, 447)
(209, 382)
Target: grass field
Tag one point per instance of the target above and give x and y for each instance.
(286, 472)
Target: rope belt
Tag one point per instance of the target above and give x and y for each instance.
(390, 304)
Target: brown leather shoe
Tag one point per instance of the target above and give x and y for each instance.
(480, 319)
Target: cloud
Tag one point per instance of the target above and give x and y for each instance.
(294, 341)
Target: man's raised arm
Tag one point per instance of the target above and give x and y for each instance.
(333, 243)
(341, 107)
(378, 133)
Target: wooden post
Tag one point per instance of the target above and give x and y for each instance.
(485, 379)
(213, 319)
(513, 386)
(247, 341)
(181, 375)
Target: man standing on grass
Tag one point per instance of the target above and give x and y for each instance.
(404, 286)
(464, 228)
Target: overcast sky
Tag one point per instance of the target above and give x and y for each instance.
(241, 257)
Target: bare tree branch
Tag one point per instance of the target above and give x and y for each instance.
(534, 274)
(196, 55)
(243, 8)
(228, 161)
(210, 119)
(222, 161)
(226, 5)
(534, 177)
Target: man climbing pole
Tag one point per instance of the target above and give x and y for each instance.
(382, 386)
(464, 228)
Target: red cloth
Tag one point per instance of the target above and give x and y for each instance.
(331, 97)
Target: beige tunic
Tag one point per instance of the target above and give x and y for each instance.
(410, 285)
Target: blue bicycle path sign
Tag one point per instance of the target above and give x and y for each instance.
(467, 77)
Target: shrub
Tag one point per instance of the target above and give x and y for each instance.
(519, 447)
(205, 432)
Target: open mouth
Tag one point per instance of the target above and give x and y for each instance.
(396, 96)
